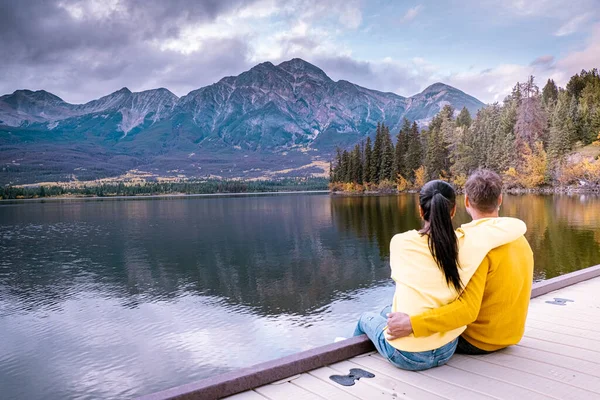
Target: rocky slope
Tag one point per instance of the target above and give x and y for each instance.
(289, 109)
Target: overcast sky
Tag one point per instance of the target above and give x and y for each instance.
(84, 49)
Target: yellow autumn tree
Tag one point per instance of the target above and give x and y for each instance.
(533, 169)
(402, 184)
(585, 171)
(597, 142)
(420, 177)
(459, 180)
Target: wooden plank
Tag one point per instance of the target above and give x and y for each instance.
(562, 314)
(286, 391)
(559, 282)
(567, 330)
(560, 348)
(388, 384)
(251, 395)
(572, 341)
(545, 370)
(575, 364)
(482, 384)
(552, 319)
(578, 312)
(360, 389)
(446, 390)
(323, 389)
(584, 302)
(544, 386)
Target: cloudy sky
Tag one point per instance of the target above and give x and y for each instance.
(83, 49)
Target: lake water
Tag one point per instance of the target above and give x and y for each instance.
(118, 298)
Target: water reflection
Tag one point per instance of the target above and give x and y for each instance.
(114, 299)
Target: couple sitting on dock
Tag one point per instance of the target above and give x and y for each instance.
(464, 291)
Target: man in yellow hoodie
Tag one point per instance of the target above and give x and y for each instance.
(494, 303)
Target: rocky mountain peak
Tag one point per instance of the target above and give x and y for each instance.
(38, 96)
(298, 67)
(123, 90)
(436, 87)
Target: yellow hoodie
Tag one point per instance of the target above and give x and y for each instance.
(420, 283)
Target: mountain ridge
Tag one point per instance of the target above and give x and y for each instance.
(292, 112)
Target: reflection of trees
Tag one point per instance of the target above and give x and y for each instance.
(376, 218)
(287, 254)
(276, 254)
(561, 230)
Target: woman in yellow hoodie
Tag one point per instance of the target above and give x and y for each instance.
(429, 272)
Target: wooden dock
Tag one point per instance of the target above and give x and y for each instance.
(559, 358)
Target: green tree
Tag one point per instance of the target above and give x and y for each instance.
(346, 171)
(562, 129)
(376, 156)
(589, 105)
(337, 169)
(414, 155)
(574, 114)
(506, 137)
(357, 167)
(549, 93)
(401, 150)
(387, 155)
(464, 118)
(368, 160)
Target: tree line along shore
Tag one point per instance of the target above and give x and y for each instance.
(539, 140)
(213, 186)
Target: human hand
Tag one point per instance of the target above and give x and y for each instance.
(398, 325)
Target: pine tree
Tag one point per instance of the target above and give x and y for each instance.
(549, 93)
(337, 170)
(466, 161)
(414, 155)
(464, 118)
(434, 153)
(387, 155)
(357, 167)
(506, 137)
(562, 130)
(401, 150)
(575, 117)
(368, 160)
(376, 156)
(346, 173)
(516, 94)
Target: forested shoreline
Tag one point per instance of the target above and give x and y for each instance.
(534, 139)
(165, 188)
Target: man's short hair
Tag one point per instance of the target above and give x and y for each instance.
(484, 187)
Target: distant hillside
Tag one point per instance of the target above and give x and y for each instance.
(268, 121)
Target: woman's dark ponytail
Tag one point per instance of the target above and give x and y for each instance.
(437, 199)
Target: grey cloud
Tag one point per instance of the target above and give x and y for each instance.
(546, 60)
(80, 59)
(40, 28)
(382, 76)
(77, 82)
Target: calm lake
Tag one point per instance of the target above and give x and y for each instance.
(118, 298)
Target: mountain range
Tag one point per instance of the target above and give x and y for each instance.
(271, 120)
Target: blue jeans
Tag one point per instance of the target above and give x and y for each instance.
(372, 325)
